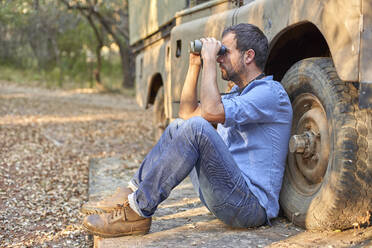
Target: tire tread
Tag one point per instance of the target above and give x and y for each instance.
(352, 189)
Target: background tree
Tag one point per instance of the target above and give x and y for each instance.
(112, 15)
(55, 43)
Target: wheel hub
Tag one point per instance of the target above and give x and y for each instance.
(309, 143)
(303, 144)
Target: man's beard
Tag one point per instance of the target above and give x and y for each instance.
(231, 75)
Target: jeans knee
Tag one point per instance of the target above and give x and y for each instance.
(174, 125)
(197, 121)
(196, 126)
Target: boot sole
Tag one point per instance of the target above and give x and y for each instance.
(104, 235)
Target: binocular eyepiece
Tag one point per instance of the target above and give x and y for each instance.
(196, 47)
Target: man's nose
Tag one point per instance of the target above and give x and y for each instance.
(219, 59)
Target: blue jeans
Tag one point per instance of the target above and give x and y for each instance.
(194, 147)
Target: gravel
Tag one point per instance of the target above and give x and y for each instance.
(46, 140)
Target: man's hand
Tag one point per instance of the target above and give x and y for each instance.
(211, 46)
(211, 107)
(189, 106)
(194, 60)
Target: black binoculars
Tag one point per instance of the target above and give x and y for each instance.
(196, 47)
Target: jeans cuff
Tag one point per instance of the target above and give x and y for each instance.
(132, 186)
(133, 204)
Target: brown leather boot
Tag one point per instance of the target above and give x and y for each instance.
(108, 204)
(119, 222)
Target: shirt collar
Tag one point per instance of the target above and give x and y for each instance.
(235, 88)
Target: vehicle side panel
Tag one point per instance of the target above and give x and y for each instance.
(338, 21)
(366, 43)
(147, 16)
(149, 62)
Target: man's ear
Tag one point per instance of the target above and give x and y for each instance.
(249, 56)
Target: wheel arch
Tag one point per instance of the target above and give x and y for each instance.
(294, 43)
(155, 83)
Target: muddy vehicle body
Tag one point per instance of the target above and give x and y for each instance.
(321, 52)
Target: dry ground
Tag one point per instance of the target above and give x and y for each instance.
(46, 139)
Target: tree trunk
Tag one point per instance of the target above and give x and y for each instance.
(125, 66)
(97, 71)
(119, 38)
(123, 51)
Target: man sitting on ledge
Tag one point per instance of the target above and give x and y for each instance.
(237, 170)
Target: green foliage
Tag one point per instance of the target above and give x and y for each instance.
(43, 43)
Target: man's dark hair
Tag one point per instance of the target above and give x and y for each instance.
(247, 37)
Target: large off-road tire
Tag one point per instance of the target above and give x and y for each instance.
(328, 177)
(159, 119)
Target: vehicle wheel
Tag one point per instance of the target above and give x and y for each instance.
(160, 122)
(328, 180)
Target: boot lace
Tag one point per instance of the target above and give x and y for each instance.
(119, 212)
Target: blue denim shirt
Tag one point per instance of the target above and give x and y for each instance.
(257, 130)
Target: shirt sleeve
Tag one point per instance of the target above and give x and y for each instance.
(258, 105)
